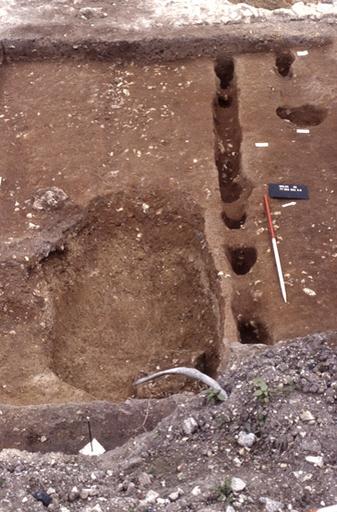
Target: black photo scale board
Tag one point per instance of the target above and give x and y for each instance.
(288, 191)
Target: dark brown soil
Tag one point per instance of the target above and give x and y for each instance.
(158, 255)
(305, 229)
(136, 289)
(133, 293)
(64, 427)
(283, 62)
(161, 251)
(305, 115)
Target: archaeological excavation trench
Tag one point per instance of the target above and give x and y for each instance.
(133, 292)
(133, 233)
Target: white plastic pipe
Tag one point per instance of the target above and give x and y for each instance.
(192, 373)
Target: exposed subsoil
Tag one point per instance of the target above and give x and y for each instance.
(131, 280)
(276, 97)
(133, 292)
(127, 282)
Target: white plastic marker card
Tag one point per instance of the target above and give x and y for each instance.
(93, 448)
(302, 130)
(261, 144)
(285, 205)
(302, 53)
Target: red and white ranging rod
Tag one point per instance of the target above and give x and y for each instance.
(275, 248)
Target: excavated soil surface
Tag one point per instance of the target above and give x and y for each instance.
(132, 293)
(127, 284)
(154, 251)
(287, 104)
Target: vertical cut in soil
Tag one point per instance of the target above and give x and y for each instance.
(134, 292)
(224, 70)
(284, 61)
(232, 184)
(241, 259)
(305, 115)
(252, 331)
(248, 314)
(233, 222)
(224, 101)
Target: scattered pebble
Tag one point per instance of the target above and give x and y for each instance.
(144, 479)
(246, 440)
(97, 508)
(229, 508)
(309, 292)
(151, 497)
(175, 495)
(196, 491)
(43, 497)
(31, 225)
(190, 426)
(73, 495)
(92, 12)
(316, 460)
(307, 416)
(271, 505)
(237, 484)
(49, 198)
(84, 494)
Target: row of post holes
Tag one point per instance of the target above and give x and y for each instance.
(242, 259)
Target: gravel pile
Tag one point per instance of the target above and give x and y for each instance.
(270, 447)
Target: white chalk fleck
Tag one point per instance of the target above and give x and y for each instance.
(309, 292)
